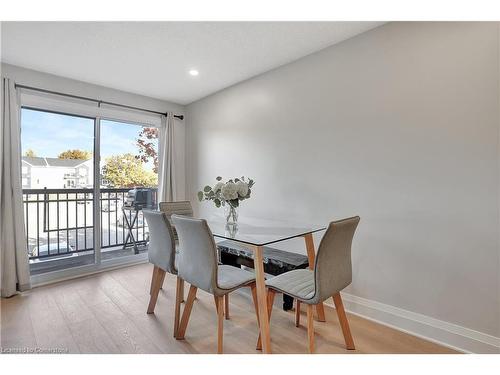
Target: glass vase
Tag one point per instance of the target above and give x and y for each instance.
(231, 215)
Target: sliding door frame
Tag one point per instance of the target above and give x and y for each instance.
(97, 191)
(71, 108)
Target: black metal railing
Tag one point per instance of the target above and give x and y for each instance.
(60, 222)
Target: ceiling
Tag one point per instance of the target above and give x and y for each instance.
(154, 58)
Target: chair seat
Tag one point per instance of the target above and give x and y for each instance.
(229, 277)
(297, 283)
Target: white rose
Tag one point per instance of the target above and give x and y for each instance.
(229, 191)
(242, 188)
(218, 186)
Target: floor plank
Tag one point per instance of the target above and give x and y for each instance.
(106, 313)
(92, 338)
(49, 324)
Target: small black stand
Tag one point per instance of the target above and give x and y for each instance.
(130, 227)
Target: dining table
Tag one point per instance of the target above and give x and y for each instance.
(256, 234)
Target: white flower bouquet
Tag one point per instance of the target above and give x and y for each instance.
(228, 194)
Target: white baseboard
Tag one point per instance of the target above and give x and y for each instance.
(447, 334)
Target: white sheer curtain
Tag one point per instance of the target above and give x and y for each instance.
(14, 267)
(166, 177)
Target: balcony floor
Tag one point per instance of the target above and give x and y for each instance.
(106, 313)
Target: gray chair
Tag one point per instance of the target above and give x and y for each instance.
(332, 272)
(179, 208)
(185, 208)
(161, 253)
(199, 267)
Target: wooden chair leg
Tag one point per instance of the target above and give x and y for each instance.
(186, 313)
(153, 279)
(162, 279)
(182, 294)
(226, 306)
(178, 298)
(220, 324)
(216, 302)
(270, 300)
(255, 303)
(320, 312)
(297, 313)
(310, 327)
(158, 273)
(344, 324)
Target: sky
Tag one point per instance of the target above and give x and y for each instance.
(49, 134)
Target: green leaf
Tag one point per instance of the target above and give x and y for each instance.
(200, 196)
(207, 188)
(235, 203)
(219, 178)
(217, 203)
(236, 179)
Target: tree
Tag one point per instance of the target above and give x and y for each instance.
(146, 143)
(75, 154)
(127, 171)
(30, 153)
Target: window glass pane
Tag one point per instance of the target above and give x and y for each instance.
(58, 197)
(129, 160)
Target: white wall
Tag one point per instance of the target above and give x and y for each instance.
(398, 125)
(56, 83)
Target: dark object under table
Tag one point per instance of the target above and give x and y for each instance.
(276, 261)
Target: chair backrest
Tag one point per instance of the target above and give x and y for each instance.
(161, 249)
(179, 208)
(198, 256)
(333, 267)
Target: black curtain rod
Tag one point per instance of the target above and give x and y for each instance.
(180, 117)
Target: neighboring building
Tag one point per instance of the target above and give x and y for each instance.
(55, 173)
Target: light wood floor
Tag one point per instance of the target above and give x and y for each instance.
(106, 313)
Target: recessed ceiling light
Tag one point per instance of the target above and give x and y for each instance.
(194, 72)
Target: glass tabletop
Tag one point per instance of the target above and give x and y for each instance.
(260, 233)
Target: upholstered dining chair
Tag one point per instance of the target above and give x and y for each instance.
(199, 267)
(161, 253)
(332, 272)
(186, 209)
(180, 208)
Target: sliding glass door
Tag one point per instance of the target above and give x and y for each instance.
(76, 176)
(57, 167)
(129, 160)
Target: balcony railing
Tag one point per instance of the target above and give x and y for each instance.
(59, 222)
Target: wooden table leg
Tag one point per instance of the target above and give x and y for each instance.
(311, 255)
(262, 300)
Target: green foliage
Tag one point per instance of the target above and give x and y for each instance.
(30, 153)
(128, 171)
(216, 194)
(75, 154)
